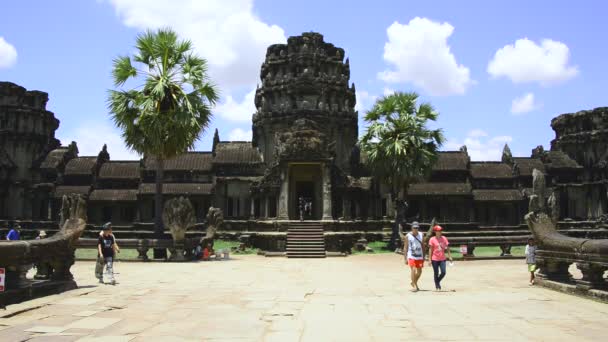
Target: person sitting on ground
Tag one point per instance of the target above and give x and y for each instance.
(41, 235)
(531, 259)
(14, 234)
(207, 252)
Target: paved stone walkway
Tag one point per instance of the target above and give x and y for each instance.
(358, 298)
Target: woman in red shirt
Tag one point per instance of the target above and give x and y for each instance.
(438, 244)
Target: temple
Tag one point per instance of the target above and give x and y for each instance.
(304, 145)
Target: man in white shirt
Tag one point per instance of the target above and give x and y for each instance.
(413, 249)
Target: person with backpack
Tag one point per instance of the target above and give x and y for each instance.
(413, 248)
(107, 249)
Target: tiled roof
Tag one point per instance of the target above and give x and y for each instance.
(431, 189)
(505, 195)
(236, 152)
(54, 158)
(113, 195)
(491, 170)
(527, 165)
(189, 161)
(560, 160)
(80, 166)
(61, 190)
(451, 160)
(178, 188)
(119, 170)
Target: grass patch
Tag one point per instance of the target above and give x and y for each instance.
(488, 251)
(131, 254)
(379, 247)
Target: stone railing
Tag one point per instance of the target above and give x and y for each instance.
(556, 252)
(144, 245)
(53, 258)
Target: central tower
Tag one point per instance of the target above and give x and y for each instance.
(305, 84)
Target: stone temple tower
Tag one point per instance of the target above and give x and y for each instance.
(306, 79)
(27, 135)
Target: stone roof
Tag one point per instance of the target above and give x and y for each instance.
(178, 188)
(80, 166)
(119, 170)
(439, 189)
(504, 195)
(115, 195)
(189, 161)
(54, 158)
(491, 170)
(527, 165)
(236, 152)
(451, 160)
(61, 190)
(560, 160)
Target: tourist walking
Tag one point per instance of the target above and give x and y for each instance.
(438, 245)
(107, 249)
(413, 251)
(531, 259)
(14, 234)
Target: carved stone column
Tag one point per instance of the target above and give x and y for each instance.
(593, 277)
(326, 193)
(390, 206)
(266, 200)
(252, 212)
(284, 197)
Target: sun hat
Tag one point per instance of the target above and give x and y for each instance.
(437, 228)
(42, 233)
(415, 224)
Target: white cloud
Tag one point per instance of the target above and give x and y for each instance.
(420, 54)
(365, 101)
(239, 134)
(480, 146)
(524, 104)
(388, 91)
(525, 61)
(90, 137)
(8, 54)
(227, 33)
(232, 110)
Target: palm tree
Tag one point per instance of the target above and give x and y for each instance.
(400, 147)
(169, 106)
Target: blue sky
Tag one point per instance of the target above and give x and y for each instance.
(496, 71)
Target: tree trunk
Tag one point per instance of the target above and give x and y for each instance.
(159, 229)
(400, 214)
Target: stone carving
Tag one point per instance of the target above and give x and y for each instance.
(215, 221)
(537, 199)
(178, 216)
(553, 204)
(507, 156)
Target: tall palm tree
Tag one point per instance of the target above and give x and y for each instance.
(400, 147)
(169, 104)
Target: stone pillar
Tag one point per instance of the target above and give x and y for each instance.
(390, 206)
(265, 214)
(593, 277)
(326, 193)
(252, 211)
(346, 208)
(283, 214)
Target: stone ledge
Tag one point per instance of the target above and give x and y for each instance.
(593, 294)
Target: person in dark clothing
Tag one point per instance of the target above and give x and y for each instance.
(107, 249)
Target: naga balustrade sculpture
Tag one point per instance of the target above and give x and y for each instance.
(556, 251)
(54, 257)
(178, 216)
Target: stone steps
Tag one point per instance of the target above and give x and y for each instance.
(305, 240)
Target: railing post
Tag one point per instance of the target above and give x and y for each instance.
(593, 276)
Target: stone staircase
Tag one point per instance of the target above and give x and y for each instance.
(305, 240)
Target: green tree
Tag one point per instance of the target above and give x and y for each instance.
(400, 148)
(169, 104)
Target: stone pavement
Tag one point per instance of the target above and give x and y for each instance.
(358, 298)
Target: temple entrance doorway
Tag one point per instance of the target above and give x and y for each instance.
(305, 191)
